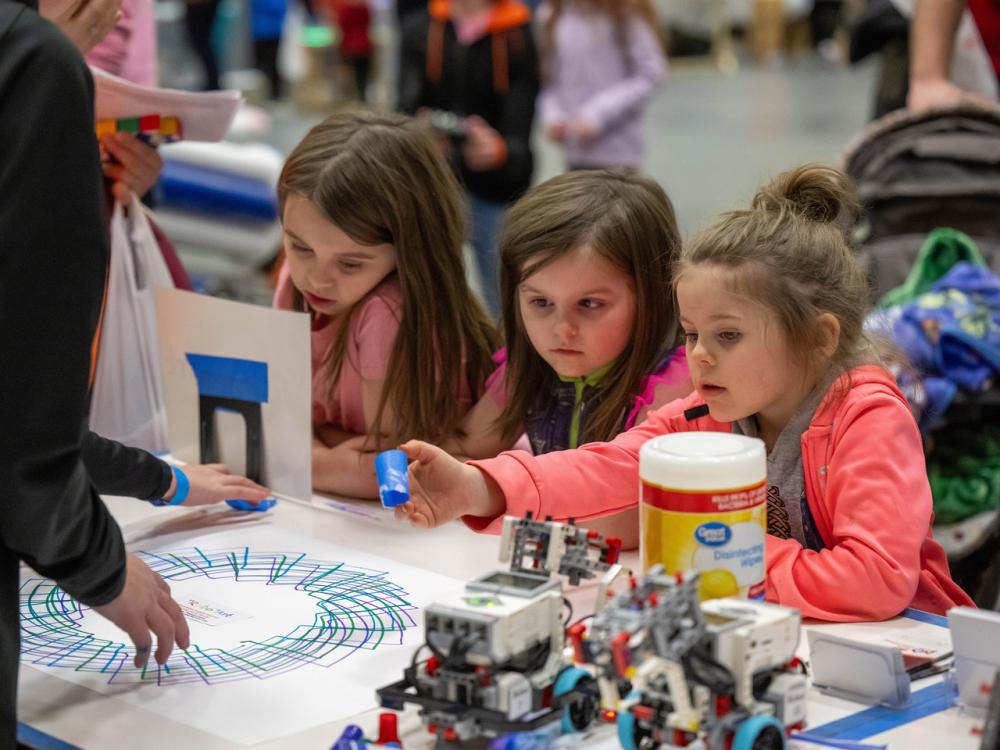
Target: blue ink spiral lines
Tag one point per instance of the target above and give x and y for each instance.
(355, 608)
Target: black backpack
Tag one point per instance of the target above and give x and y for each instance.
(915, 173)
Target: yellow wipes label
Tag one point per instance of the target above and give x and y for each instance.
(720, 534)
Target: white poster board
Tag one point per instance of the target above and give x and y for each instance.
(274, 341)
(287, 632)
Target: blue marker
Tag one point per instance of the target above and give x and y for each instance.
(546, 738)
(351, 739)
(249, 507)
(393, 478)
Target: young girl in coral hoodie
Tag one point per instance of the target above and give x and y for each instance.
(772, 304)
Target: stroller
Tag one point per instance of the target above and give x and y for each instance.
(915, 174)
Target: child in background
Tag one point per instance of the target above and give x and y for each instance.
(772, 304)
(267, 19)
(589, 316)
(601, 63)
(353, 18)
(374, 227)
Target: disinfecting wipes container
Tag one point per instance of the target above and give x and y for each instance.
(703, 506)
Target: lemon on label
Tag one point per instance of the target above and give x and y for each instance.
(717, 583)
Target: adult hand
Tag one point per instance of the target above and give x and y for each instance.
(484, 148)
(85, 22)
(144, 607)
(556, 132)
(443, 143)
(213, 483)
(136, 166)
(583, 131)
(443, 489)
(932, 93)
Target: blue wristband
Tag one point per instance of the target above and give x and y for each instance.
(180, 491)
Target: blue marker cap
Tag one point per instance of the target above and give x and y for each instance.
(245, 505)
(351, 739)
(393, 479)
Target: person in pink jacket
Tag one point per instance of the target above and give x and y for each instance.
(772, 304)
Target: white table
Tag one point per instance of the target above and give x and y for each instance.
(66, 713)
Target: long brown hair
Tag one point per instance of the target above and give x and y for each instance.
(629, 221)
(790, 253)
(381, 180)
(620, 11)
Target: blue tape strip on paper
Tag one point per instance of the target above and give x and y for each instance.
(839, 744)
(880, 719)
(39, 740)
(228, 377)
(918, 614)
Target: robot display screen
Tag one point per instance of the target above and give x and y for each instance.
(514, 581)
(713, 618)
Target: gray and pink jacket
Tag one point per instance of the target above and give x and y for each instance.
(865, 481)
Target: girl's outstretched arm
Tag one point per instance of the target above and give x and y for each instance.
(442, 489)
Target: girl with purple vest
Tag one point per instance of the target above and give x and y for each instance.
(588, 315)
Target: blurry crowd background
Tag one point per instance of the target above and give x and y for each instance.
(753, 87)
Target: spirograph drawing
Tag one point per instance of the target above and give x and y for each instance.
(356, 608)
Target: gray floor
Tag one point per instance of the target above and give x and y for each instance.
(713, 138)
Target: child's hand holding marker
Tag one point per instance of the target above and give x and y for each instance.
(443, 488)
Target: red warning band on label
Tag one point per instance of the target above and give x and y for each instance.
(725, 501)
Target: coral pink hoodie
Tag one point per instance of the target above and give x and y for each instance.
(866, 484)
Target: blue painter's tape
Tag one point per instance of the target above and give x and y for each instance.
(262, 506)
(880, 719)
(929, 617)
(39, 740)
(839, 744)
(227, 377)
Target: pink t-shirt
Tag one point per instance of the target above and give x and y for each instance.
(129, 51)
(373, 333)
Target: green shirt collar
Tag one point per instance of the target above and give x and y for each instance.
(580, 382)
(593, 379)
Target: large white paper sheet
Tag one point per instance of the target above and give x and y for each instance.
(204, 115)
(189, 323)
(287, 633)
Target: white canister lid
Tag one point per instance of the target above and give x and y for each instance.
(717, 461)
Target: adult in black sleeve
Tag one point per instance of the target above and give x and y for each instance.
(53, 255)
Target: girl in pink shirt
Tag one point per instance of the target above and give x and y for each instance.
(772, 304)
(374, 227)
(580, 255)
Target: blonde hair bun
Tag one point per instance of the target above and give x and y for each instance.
(812, 191)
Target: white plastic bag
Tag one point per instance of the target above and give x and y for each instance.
(127, 399)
